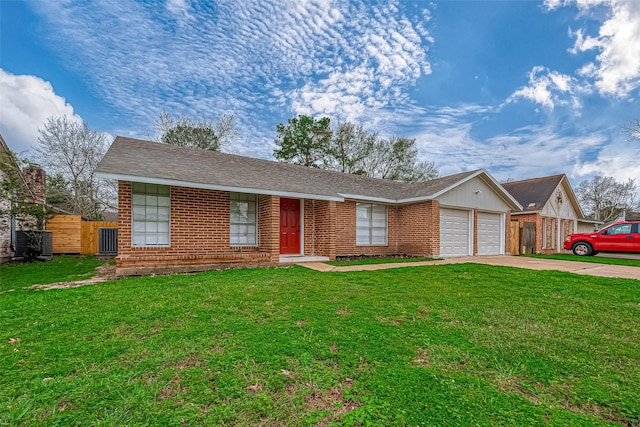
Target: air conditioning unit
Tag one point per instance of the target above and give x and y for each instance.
(107, 241)
(40, 242)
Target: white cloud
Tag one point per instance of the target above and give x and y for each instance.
(549, 88)
(313, 56)
(619, 160)
(616, 67)
(449, 136)
(180, 9)
(25, 104)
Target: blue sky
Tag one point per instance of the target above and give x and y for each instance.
(521, 88)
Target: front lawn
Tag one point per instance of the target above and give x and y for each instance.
(459, 344)
(59, 269)
(595, 259)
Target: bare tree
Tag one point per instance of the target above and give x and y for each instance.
(70, 151)
(605, 198)
(633, 129)
(203, 133)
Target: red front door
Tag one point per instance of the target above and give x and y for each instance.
(289, 226)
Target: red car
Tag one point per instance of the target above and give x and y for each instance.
(619, 237)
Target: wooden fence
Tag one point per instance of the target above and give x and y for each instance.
(73, 235)
(514, 238)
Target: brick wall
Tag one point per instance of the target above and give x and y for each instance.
(36, 179)
(199, 234)
(507, 233)
(413, 229)
(419, 228)
(269, 226)
(5, 232)
(319, 228)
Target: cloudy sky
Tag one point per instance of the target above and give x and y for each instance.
(521, 88)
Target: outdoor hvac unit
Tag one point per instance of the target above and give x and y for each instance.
(107, 241)
(40, 241)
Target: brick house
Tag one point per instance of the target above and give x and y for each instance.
(182, 209)
(33, 180)
(550, 203)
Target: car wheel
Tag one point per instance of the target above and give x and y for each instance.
(582, 249)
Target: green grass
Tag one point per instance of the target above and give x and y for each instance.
(459, 344)
(368, 261)
(59, 269)
(595, 259)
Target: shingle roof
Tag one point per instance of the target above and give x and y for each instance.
(145, 161)
(533, 193)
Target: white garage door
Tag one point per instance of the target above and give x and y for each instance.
(489, 233)
(454, 232)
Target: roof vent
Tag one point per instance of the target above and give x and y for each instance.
(531, 205)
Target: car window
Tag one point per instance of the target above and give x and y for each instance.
(619, 229)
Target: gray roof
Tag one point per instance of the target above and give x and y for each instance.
(533, 193)
(145, 161)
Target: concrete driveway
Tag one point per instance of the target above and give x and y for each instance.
(588, 268)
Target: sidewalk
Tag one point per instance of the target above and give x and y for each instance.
(587, 268)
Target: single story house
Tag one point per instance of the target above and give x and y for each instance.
(550, 203)
(183, 209)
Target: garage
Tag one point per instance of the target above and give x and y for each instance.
(489, 233)
(454, 232)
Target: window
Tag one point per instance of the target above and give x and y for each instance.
(150, 213)
(371, 224)
(619, 229)
(242, 229)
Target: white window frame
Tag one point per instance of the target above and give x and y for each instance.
(368, 218)
(150, 215)
(236, 224)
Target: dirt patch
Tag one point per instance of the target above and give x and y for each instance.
(331, 400)
(104, 273)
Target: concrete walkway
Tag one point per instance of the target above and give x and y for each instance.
(588, 268)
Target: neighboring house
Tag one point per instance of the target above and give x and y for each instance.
(550, 203)
(183, 209)
(32, 179)
(632, 216)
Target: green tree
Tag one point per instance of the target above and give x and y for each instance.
(204, 134)
(396, 158)
(18, 198)
(303, 141)
(348, 149)
(20, 201)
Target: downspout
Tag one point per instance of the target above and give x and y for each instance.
(313, 235)
(397, 229)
